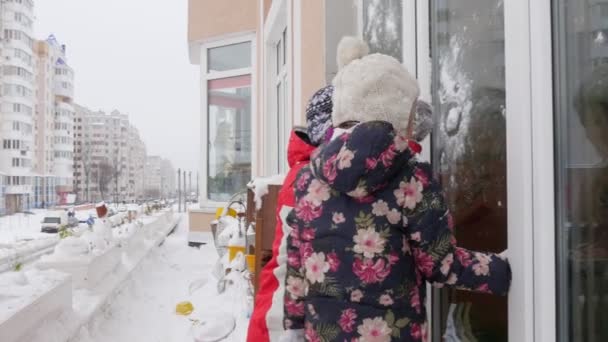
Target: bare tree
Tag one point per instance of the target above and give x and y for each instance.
(87, 167)
(104, 175)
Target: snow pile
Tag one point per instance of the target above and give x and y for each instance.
(22, 251)
(80, 249)
(227, 228)
(72, 247)
(19, 289)
(260, 187)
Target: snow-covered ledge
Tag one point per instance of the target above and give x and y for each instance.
(88, 302)
(27, 298)
(86, 271)
(260, 185)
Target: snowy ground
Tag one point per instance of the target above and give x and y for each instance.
(19, 227)
(144, 310)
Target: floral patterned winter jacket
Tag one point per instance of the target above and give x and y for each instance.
(370, 227)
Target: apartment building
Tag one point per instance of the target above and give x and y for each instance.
(160, 177)
(17, 103)
(109, 157)
(136, 164)
(36, 114)
(153, 177)
(168, 176)
(518, 89)
(54, 129)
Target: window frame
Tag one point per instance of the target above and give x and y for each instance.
(530, 157)
(277, 131)
(206, 204)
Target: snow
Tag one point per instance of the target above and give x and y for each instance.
(260, 187)
(18, 289)
(21, 240)
(144, 310)
(137, 301)
(455, 94)
(19, 227)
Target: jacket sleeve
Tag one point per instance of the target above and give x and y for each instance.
(293, 303)
(437, 256)
(295, 282)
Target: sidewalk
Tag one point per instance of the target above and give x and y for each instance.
(144, 310)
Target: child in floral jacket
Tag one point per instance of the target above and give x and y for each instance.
(371, 226)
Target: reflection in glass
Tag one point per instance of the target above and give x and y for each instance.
(229, 57)
(469, 153)
(229, 132)
(382, 26)
(581, 109)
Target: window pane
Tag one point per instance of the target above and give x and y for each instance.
(382, 26)
(284, 46)
(229, 132)
(581, 109)
(278, 56)
(279, 126)
(229, 57)
(469, 152)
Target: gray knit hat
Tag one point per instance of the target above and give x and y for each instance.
(318, 114)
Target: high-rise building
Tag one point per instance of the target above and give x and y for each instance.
(153, 177)
(136, 157)
(109, 157)
(168, 178)
(17, 102)
(54, 124)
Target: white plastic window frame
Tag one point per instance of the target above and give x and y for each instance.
(530, 160)
(281, 99)
(206, 204)
(277, 128)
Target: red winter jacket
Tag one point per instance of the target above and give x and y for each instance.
(267, 318)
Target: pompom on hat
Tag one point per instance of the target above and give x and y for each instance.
(372, 87)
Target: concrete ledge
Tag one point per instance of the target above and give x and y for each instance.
(24, 318)
(88, 272)
(87, 306)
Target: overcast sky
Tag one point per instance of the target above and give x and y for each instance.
(132, 55)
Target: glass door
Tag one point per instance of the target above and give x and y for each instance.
(580, 31)
(469, 152)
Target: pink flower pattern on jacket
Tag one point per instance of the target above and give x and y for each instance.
(370, 228)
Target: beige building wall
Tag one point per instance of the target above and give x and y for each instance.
(307, 70)
(312, 52)
(212, 18)
(43, 114)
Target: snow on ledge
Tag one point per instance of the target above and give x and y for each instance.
(27, 298)
(260, 187)
(85, 303)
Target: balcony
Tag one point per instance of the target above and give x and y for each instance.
(64, 81)
(20, 7)
(64, 89)
(65, 106)
(13, 24)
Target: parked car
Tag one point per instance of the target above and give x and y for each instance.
(53, 221)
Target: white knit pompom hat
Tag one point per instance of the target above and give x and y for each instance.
(372, 87)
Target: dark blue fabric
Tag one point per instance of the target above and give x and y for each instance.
(370, 228)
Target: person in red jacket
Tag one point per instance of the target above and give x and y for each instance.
(267, 317)
(266, 323)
